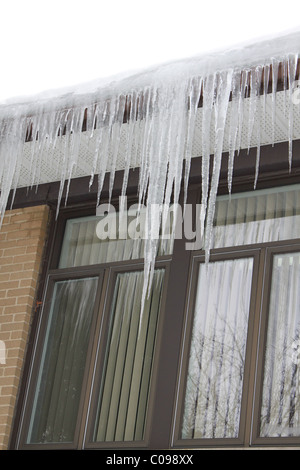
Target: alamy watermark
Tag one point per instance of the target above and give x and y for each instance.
(155, 221)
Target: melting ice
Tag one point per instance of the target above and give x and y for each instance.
(160, 107)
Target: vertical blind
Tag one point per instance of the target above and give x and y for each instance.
(257, 217)
(62, 366)
(217, 354)
(280, 413)
(83, 246)
(128, 363)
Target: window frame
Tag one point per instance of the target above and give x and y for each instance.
(100, 320)
(37, 350)
(173, 381)
(197, 259)
(290, 246)
(255, 350)
(273, 172)
(99, 353)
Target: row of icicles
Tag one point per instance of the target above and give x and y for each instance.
(159, 122)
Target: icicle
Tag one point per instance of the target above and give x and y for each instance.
(34, 161)
(275, 64)
(258, 139)
(207, 110)
(75, 133)
(221, 105)
(244, 86)
(92, 120)
(177, 143)
(265, 92)
(193, 99)
(292, 68)
(41, 126)
(64, 165)
(115, 137)
(145, 116)
(13, 132)
(255, 82)
(284, 67)
(258, 78)
(234, 124)
(19, 131)
(107, 117)
(132, 104)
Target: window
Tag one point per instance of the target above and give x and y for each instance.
(213, 395)
(239, 378)
(126, 370)
(95, 348)
(61, 371)
(280, 410)
(213, 359)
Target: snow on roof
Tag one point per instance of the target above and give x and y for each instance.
(240, 57)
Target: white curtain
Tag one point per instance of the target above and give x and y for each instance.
(280, 413)
(257, 217)
(129, 356)
(81, 245)
(63, 362)
(217, 354)
(216, 364)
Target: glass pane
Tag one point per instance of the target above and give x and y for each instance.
(63, 361)
(280, 412)
(96, 239)
(129, 355)
(257, 217)
(216, 365)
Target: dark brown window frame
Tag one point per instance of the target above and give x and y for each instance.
(87, 440)
(105, 273)
(290, 246)
(255, 349)
(197, 259)
(274, 171)
(38, 344)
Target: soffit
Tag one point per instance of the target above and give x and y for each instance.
(51, 163)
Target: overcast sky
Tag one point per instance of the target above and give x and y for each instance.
(48, 44)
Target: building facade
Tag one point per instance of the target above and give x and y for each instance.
(33, 243)
(208, 358)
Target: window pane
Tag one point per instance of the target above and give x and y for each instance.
(128, 363)
(63, 361)
(280, 413)
(85, 243)
(217, 355)
(257, 217)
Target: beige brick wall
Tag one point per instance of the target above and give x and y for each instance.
(22, 240)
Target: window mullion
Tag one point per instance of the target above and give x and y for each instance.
(258, 287)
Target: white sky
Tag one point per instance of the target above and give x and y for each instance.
(48, 44)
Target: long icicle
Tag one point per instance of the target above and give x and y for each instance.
(221, 105)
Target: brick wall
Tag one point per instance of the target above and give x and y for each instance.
(22, 239)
